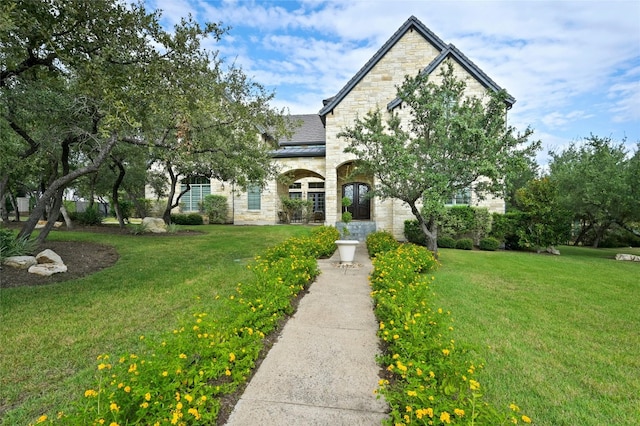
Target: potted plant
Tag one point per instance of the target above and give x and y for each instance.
(346, 247)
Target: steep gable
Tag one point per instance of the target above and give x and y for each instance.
(411, 24)
(444, 51)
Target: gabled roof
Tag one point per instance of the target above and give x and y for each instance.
(308, 139)
(309, 132)
(452, 52)
(445, 50)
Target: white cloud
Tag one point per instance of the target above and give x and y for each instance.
(573, 66)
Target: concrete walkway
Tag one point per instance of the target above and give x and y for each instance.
(322, 370)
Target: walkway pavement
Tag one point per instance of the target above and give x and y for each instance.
(322, 370)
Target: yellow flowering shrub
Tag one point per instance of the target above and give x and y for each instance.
(433, 379)
(181, 375)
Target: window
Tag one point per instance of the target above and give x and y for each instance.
(462, 198)
(200, 188)
(316, 185)
(254, 193)
(297, 185)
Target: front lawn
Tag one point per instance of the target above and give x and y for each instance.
(51, 335)
(559, 334)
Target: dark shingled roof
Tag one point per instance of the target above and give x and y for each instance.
(308, 139)
(445, 50)
(309, 130)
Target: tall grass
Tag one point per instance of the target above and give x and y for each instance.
(560, 335)
(52, 334)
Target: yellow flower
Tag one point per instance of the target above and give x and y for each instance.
(89, 393)
(408, 409)
(42, 418)
(182, 356)
(473, 385)
(458, 412)
(179, 406)
(526, 419)
(165, 373)
(113, 424)
(227, 373)
(445, 417)
(194, 413)
(127, 389)
(232, 357)
(147, 396)
(132, 368)
(412, 393)
(514, 407)
(188, 397)
(445, 352)
(114, 407)
(144, 405)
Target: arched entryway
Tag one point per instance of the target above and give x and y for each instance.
(358, 193)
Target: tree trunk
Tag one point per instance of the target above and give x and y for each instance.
(53, 216)
(429, 229)
(582, 234)
(4, 213)
(114, 193)
(170, 203)
(61, 182)
(65, 215)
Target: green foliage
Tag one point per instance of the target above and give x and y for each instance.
(413, 233)
(381, 242)
(597, 182)
(215, 207)
(90, 217)
(12, 246)
(187, 219)
(138, 229)
(464, 244)
(446, 242)
(544, 222)
(183, 374)
(447, 143)
(126, 209)
(432, 377)
(465, 221)
(346, 217)
(297, 206)
(489, 244)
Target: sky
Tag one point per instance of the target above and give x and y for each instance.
(573, 66)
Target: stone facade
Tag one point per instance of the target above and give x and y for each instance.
(412, 49)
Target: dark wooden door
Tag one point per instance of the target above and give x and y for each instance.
(358, 192)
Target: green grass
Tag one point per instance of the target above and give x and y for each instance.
(560, 335)
(51, 335)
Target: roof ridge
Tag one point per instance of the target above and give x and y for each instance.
(412, 22)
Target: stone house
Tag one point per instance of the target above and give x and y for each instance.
(313, 160)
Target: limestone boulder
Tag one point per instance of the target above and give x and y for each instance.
(628, 257)
(46, 269)
(553, 250)
(20, 262)
(154, 224)
(49, 256)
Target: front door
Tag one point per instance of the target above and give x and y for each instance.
(360, 203)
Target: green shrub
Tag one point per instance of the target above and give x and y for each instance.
(215, 207)
(91, 216)
(126, 209)
(428, 376)
(464, 244)
(413, 233)
(186, 219)
(446, 242)
(180, 376)
(381, 242)
(10, 246)
(489, 244)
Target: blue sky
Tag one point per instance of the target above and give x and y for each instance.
(573, 66)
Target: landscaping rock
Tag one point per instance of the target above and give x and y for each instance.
(47, 269)
(553, 250)
(20, 262)
(41, 224)
(154, 224)
(49, 256)
(628, 257)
